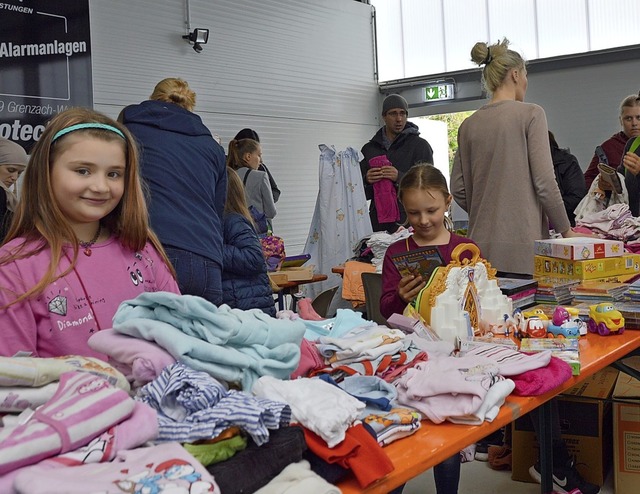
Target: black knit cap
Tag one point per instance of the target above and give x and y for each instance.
(247, 134)
(394, 101)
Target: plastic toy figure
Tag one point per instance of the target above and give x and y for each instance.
(604, 319)
(534, 328)
(562, 325)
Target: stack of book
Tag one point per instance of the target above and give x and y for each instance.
(633, 292)
(555, 291)
(521, 292)
(567, 349)
(631, 313)
(594, 292)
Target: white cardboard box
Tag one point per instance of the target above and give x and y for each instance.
(578, 249)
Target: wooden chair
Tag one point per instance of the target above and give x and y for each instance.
(372, 283)
(322, 302)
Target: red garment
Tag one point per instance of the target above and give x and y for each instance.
(384, 193)
(613, 148)
(359, 452)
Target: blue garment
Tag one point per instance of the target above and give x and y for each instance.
(245, 283)
(197, 275)
(232, 345)
(185, 170)
(192, 405)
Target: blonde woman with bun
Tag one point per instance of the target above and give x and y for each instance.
(503, 174)
(184, 168)
(503, 177)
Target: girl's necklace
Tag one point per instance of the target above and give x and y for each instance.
(87, 245)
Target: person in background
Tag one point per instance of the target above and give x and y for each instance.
(568, 176)
(630, 168)
(425, 197)
(424, 194)
(252, 134)
(502, 172)
(613, 147)
(184, 168)
(394, 148)
(13, 161)
(79, 244)
(245, 156)
(245, 283)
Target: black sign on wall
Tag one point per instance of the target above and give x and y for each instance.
(45, 64)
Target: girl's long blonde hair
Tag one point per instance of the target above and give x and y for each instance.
(38, 218)
(236, 200)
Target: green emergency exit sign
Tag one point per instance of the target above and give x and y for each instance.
(439, 92)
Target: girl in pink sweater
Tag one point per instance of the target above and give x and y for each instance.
(79, 243)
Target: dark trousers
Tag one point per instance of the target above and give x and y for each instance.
(197, 275)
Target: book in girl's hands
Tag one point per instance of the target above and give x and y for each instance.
(420, 262)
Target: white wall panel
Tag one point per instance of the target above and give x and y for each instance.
(390, 40)
(465, 23)
(536, 28)
(613, 25)
(425, 53)
(299, 73)
(562, 27)
(515, 21)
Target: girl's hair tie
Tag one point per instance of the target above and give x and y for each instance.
(90, 125)
(488, 58)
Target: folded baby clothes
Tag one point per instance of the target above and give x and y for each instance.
(83, 407)
(138, 359)
(36, 371)
(163, 468)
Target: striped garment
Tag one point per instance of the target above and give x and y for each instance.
(192, 405)
(83, 407)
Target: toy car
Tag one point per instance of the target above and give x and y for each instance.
(534, 328)
(604, 319)
(568, 329)
(562, 325)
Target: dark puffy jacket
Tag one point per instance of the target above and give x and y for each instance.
(570, 180)
(405, 151)
(185, 170)
(245, 283)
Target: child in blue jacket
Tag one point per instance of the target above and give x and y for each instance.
(245, 283)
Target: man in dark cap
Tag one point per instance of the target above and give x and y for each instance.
(395, 148)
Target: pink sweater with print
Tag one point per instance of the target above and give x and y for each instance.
(72, 308)
(390, 301)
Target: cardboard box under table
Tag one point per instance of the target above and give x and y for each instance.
(626, 435)
(585, 421)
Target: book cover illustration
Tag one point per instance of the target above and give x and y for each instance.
(420, 262)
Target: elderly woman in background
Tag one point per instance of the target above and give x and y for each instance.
(13, 161)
